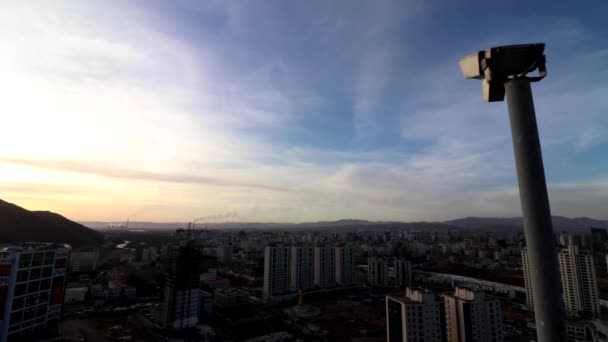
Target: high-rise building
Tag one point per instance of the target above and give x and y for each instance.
(32, 283)
(471, 317)
(277, 275)
(525, 261)
(84, 260)
(402, 271)
(224, 254)
(325, 266)
(599, 237)
(345, 266)
(377, 272)
(416, 317)
(302, 275)
(181, 297)
(579, 282)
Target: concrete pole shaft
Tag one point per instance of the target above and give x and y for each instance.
(538, 229)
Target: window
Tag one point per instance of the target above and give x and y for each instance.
(47, 272)
(20, 289)
(16, 317)
(25, 260)
(49, 258)
(37, 259)
(41, 310)
(29, 314)
(18, 303)
(31, 300)
(35, 273)
(23, 275)
(33, 286)
(45, 284)
(43, 297)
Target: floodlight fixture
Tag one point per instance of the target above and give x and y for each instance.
(504, 70)
(496, 65)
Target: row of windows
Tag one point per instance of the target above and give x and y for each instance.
(34, 273)
(17, 317)
(30, 300)
(33, 286)
(36, 259)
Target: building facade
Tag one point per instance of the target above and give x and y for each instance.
(402, 270)
(579, 282)
(471, 317)
(224, 254)
(345, 266)
(416, 317)
(32, 285)
(325, 266)
(302, 275)
(277, 275)
(525, 261)
(84, 260)
(181, 298)
(377, 275)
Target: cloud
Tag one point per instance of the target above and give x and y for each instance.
(98, 168)
(279, 112)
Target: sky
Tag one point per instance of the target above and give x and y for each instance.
(291, 111)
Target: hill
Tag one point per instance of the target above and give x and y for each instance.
(560, 223)
(18, 224)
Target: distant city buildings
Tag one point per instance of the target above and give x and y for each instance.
(224, 254)
(416, 317)
(389, 272)
(599, 237)
(84, 260)
(32, 283)
(470, 316)
(291, 268)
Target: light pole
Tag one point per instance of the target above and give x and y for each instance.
(505, 69)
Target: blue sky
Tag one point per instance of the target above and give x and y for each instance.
(291, 111)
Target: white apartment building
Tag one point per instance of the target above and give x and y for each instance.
(579, 282)
(416, 317)
(302, 275)
(525, 261)
(471, 317)
(277, 275)
(32, 284)
(325, 266)
(377, 275)
(345, 266)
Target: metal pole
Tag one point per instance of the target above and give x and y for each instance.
(538, 229)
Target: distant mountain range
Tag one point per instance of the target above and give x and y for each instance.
(560, 223)
(18, 225)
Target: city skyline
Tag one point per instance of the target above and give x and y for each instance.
(289, 112)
